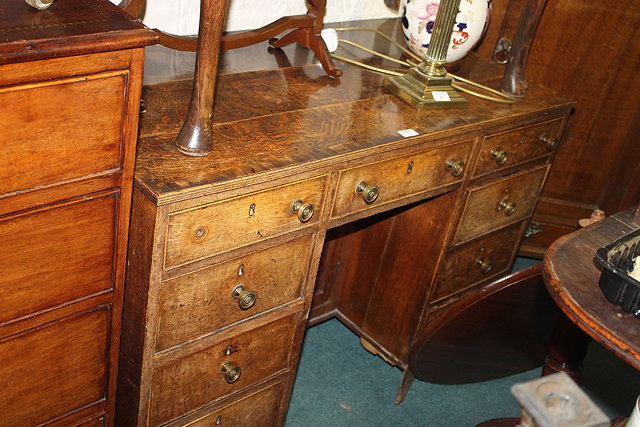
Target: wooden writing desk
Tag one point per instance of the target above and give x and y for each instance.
(571, 273)
(228, 251)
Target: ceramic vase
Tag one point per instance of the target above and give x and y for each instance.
(418, 18)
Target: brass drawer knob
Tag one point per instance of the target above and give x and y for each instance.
(484, 265)
(507, 207)
(304, 210)
(231, 373)
(369, 193)
(455, 166)
(550, 143)
(499, 155)
(246, 299)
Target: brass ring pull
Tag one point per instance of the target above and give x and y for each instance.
(550, 143)
(485, 265)
(304, 210)
(231, 373)
(369, 193)
(455, 166)
(246, 299)
(499, 155)
(508, 207)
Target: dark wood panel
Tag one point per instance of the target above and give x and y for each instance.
(67, 371)
(492, 332)
(54, 116)
(73, 256)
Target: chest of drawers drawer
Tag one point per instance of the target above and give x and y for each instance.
(506, 201)
(67, 371)
(384, 182)
(224, 368)
(56, 255)
(259, 409)
(206, 300)
(477, 261)
(60, 120)
(518, 145)
(211, 229)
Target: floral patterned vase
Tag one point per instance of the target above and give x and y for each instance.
(418, 18)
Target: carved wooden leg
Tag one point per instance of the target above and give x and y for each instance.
(306, 38)
(311, 39)
(567, 349)
(514, 82)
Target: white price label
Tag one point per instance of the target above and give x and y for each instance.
(408, 132)
(440, 96)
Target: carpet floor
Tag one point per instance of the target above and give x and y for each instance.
(339, 383)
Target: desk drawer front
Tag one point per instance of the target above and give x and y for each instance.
(398, 178)
(53, 256)
(478, 261)
(202, 302)
(60, 367)
(260, 409)
(194, 380)
(519, 145)
(63, 130)
(211, 229)
(499, 204)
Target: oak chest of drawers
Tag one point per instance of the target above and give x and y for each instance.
(311, 205)
(70, 80)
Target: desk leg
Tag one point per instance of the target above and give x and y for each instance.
(405, 384)
(567, 349)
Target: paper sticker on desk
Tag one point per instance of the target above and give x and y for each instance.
(408, 132)
(440, 96)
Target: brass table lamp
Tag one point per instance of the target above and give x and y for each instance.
(427, 86)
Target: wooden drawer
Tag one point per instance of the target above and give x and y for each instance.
(470, 264)
(63, 130)
(94, 422)
(192, 381)
(56, 255)
(518, 145)
(397, 178)
(259, 409)
(214, 228)
(201, 302)
(501, 203)
(54, 369)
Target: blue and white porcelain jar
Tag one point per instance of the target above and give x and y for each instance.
(418, 18)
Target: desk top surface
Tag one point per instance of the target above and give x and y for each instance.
(571, 273)
(277, 114)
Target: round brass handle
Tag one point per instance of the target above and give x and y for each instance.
(485, 265)
(455, 166)
(550, 143)
(508, 207)
(246, 299)
(231, 373)
(499, 155)
(369, 193)
(304, 210)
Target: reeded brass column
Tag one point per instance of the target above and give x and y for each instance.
(427, 85)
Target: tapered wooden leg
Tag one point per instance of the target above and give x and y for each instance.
(405, 384)
(567, 349)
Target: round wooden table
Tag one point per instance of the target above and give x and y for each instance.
(571, 274)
